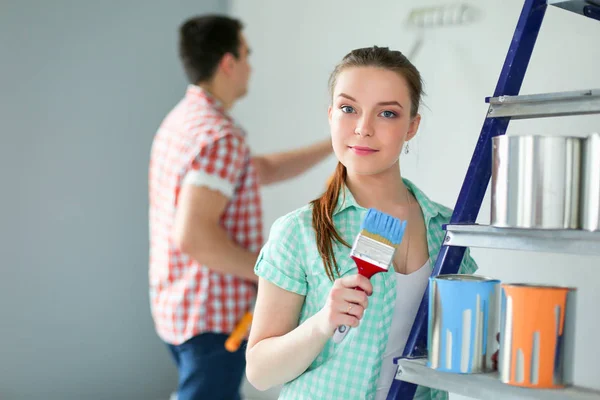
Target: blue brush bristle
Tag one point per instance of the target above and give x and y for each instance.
(384, 225)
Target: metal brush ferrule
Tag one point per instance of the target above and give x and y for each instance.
(373, 251)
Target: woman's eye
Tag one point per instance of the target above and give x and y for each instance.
(388, 114)
(347, 109)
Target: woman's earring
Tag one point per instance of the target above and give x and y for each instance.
(406, 148)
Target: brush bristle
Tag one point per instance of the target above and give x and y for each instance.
(383, 227)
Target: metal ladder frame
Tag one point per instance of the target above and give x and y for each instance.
(480, 169)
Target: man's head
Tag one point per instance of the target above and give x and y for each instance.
(213, 48)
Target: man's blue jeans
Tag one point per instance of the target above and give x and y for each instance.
(207, 370)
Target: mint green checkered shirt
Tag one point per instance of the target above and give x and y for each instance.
(290, 260)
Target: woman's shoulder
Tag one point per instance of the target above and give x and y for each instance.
(444, 213)
(429, 207)
(298, 221)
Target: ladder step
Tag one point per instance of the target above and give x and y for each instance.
(558, 104)
(588, 8)
(483, 386)
(541, 240)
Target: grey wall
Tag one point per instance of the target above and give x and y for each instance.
(83, 87)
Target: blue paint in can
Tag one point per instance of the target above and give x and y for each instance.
(450, 296)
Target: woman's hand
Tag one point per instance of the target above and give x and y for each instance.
(345, 305)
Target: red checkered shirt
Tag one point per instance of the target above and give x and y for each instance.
(199, 144)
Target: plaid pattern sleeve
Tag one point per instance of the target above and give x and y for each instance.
(279, 261)
(219, 165)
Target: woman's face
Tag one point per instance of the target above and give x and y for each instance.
(370, 119)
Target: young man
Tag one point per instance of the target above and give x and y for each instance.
(205, 210)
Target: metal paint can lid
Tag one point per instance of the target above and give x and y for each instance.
(465, 278)
(537, 286)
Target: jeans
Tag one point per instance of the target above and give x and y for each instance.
(207, 370)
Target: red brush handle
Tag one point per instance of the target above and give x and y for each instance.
(366, 269)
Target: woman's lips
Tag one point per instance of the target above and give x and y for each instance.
(362, 150)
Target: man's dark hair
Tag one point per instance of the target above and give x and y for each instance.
(203, 41)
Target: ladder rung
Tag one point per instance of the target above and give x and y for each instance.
(551, 241)
(483, 385)
(545, 105)
(589, 8)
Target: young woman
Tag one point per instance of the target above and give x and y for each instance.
(307, 279)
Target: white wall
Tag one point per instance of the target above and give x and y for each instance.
(83, 87)
(295, 46)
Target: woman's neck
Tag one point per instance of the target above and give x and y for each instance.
(385, 191)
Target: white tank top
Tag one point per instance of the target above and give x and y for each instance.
(409, 292)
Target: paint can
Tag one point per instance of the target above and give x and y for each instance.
(537, 327)
(463, 323)
(590, 196)
(536, 182)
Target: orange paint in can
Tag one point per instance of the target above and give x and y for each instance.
(535, 343)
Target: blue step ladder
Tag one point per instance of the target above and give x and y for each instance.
(504, 105)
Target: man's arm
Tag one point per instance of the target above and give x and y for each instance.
(272, 168)
(199, 235)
